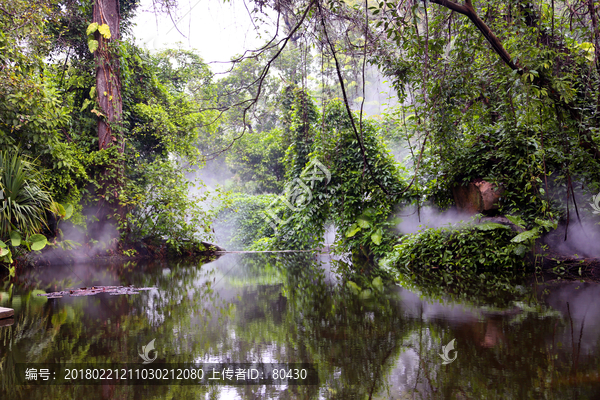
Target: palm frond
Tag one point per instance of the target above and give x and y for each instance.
(25, 199)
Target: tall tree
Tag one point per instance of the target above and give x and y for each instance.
(108, 84)
(105, 27)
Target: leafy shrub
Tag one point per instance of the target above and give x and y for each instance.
(468, 250)
(26, 200)
(161, 206)
(470, 260)
(245, 215)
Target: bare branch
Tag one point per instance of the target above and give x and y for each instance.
(261, 80)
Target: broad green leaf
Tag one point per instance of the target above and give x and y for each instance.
(520, 250)
(38, 242)
(549, 225)
(86, 103)
(2, 244)
(352, 230)
(353, 287)
(378, 283)
(365, 294)
(370, 212)
(93, 27)
(58, 209)
(92, 45)
(4, 251)
(15, 238)
(527, 235)
(104, 31)
(377, 236)
(515, 219)
(363, 222)
(68, 211)
(490, 226)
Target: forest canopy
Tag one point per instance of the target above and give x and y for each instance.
(113, 134)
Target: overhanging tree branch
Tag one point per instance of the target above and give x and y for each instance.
(358, 134)
(470, 12)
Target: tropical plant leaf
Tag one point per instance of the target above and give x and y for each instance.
(490, 226)
(518, 221)
(68, 211)
(86, 103)
(527, 235)
(93, 27)
(15, 238)
(352, 230)
(353, 287)
(378, 283)
(38, 242)
(520, 250)
(370, 212)
(104, 31)
(377, 236)
(549, 225)
(93, 45)
(29, 200)
(363, 222)
(58, 209)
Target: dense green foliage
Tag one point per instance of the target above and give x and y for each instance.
(502, 92)
(533, 127)
(351, 200)
(49, 109)
(522, 115)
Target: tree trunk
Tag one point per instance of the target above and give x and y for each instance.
(108, 85)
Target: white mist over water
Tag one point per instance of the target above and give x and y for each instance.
(583, 239)
(414, 220)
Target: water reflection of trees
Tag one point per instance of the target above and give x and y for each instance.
(281, 309)
(354, 343)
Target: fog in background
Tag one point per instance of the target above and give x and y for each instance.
(414, 220)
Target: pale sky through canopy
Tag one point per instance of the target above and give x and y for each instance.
(217, 30)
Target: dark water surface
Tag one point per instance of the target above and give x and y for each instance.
(536, 342)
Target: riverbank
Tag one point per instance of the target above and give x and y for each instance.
(142, 251)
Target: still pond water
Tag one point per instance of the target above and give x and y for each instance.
(536, 342)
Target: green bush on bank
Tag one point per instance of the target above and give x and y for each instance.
(468, 250)
(244, 220)
(489, 254)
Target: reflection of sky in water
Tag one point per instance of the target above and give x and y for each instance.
(280, 308)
